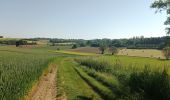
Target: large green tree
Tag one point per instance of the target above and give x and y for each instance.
(103, 46)
(113, 50)
(163, 5)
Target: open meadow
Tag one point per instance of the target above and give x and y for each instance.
(119, 77)
(151, 53)
(81, 75)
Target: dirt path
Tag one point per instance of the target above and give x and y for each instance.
(46, 88)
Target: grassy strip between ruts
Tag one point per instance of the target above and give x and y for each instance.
(106, 79)
(70, 85)
(104, 91)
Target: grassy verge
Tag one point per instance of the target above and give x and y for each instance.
(107, 80)
(70, 85)
(105, 92)
(148, 83)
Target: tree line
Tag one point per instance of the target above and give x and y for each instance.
(132, 43)
(16, 42)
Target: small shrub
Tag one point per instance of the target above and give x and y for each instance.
(113, 50)
(74, 46)
(102, 47)
(58, 49)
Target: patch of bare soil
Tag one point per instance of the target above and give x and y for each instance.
(46, 87)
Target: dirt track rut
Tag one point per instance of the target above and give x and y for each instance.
(46, 88)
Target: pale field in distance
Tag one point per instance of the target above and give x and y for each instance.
(152, 53)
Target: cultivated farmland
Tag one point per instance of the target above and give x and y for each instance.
(84, 50)
(80, 75)
(19, 70)
(152, 53)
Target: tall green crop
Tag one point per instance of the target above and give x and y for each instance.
(18, 71)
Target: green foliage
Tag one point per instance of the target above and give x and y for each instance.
(74, 46)
(58, 49)
(161, 5)
(82, 43)
(167, 41)
(135, 42)
(113, 50)
(151, 85)
(133, 82)
(16, 42)
(102, 46)
(21, 42)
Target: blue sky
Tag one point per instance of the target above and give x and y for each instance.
(86, 19)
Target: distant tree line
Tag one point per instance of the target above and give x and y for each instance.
(17, 42)
(36, 39)
(75, 42)
(132, 43)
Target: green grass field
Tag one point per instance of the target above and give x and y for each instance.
(20, 69)
(114, 75)
(136, 62)
(71, 84)
(83, 76)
